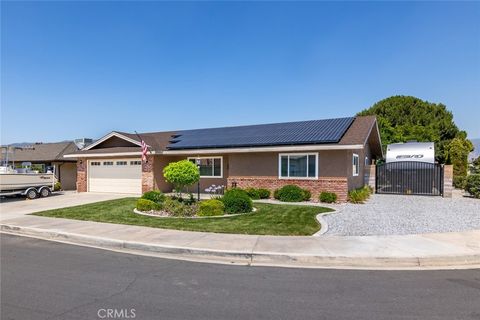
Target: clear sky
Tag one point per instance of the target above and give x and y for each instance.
(83, 69)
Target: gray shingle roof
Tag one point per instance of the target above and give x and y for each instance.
(288, 133)
(43, 152)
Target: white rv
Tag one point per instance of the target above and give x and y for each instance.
(411, 151)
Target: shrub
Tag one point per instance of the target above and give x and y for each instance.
(237, 201)
(210, 208)
(290, 193)
(253, 193)
(57, 186)
(147, 205)
(179, 209)
(459, 182)
(472, 185)
(181, 174)
(264, 193)
(155, 196)
(306, 194)
(328, 197)
(359, 195)
(190, 200)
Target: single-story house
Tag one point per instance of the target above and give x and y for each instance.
(46, 157)
(321, 155)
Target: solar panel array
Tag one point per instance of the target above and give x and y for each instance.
(289, 133)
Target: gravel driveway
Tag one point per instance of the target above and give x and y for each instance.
(398, 214)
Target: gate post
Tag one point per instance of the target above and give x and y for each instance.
(370, 174)
(447, 180)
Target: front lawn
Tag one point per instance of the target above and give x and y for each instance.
(269, 219)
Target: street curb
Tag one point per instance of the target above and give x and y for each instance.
(251, 258)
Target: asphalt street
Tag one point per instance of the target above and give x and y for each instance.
(49, 280)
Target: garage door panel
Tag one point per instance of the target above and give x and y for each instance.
(115, 176)
(116, 185)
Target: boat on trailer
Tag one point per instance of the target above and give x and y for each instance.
(25, 182)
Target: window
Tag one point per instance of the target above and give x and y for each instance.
(210, 167)
(298, 165)
(355, 164)
(95, 163)
(108, 163)
(366, 161)
(135, 163)
(121, 163)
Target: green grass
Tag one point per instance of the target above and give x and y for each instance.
(269, 219)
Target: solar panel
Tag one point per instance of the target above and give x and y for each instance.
(289, 133)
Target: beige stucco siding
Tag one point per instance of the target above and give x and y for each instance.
(68, 176)
(330, 164)
(162, 161)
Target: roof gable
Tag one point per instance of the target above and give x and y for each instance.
(114, 140)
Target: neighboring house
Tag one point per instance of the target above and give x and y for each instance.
(47, 156)
(321, 155)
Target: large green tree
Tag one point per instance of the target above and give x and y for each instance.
(405, 118)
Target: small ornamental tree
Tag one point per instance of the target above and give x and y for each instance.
(181, 174)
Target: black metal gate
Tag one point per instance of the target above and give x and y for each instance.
(409, 177)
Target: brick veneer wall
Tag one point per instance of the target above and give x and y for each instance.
(82, 175)
(148, 181)
(337, 185)
(447, 181)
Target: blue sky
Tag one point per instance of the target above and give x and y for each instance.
(82, 69)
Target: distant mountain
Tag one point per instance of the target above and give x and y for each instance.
(21, 144)
(476, 152)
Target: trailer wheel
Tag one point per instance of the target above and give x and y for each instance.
(32, 194)
(45, 192)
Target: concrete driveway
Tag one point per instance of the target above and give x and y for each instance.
(15, 207)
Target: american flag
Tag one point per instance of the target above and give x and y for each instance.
(144, 151)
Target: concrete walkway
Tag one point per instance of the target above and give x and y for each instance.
(445, 250)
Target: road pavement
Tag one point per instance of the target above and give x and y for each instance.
(50, 280)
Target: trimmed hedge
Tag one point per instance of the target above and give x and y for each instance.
(253, 193)
(147, 205)
(210, 208)
(472, 185)
(237, 201)
(264, 193)
(328, 197)
(306, 194)
(256, 194)
(290, 193)
(155, 196)
(359, 195)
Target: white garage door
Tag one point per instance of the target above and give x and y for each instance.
(115, 175)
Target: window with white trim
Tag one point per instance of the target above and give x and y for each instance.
(298, 165)
(210, 167)
(108, 163)
(121, 163)
(136, 163)
(96, 163)
(355, 165)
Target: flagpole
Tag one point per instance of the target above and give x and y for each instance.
(139, 137)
